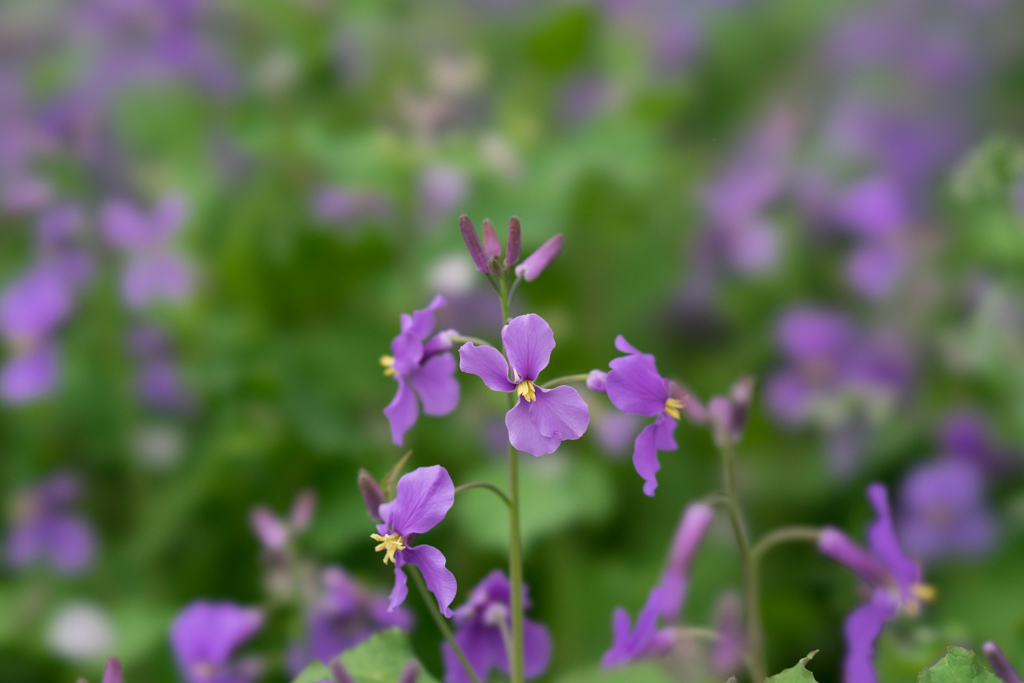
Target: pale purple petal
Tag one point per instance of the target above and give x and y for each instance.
(270, 530)
(654, 437)
(862, 629)
(400, 590)
(123, 225)
(484, 649)
(431, 563)
(209, 632)
(788, 397)
(690, 532)
(874, 207)
(538, 261)
(492, 247)
(528, 341)
(487, 363)
(31, 375)
(813, 334)
(560, 413)
(112, 673)
(634, 385)
(407, 351)
(424, 496)
(524, 435)
(421, 323)
(23, 545)
(34, 304)
(837, 545)
(624, 346)
(536, 648)
(69, 543)
(436, 385)
(402, 411)
(874, 270)
(883, 542)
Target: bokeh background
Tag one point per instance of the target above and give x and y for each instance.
(213, 212)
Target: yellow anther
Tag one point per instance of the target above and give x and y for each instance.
(389, 365)
(673, 406)
(390, 544)
(925, 592)
(527, 390)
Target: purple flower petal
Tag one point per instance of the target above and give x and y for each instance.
(862, 629)
(624, 346)
(436, 385)
(70, 543)
(560, 413)
(523, 433)
(536, 649)
(424, 496)
(692, 527)
(34, 304)
(487, 363)
(407, 351)
(528, 342)
(124, 226)
(209, 632)
(788, 397)
(883, 542)
(492, 247)
(30, 376)
(112, 673)
(431, 563)
(421, 323)
(837, 545)
(401, 589)
(402, 411)
(874, 270)
(484, 649)
(657, 436)
(538, 261)
(810, 334)
(634, 385)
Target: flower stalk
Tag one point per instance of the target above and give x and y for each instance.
(442, 625)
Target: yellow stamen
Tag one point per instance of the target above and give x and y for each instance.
(527, 390)
(389, 365)
(390, 544)
(924, 592)
(673, 406)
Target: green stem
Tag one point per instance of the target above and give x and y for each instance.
(755, 637)
(446, 631)
(565, 380)
(484, 485)
(786, 534)
(456, 338)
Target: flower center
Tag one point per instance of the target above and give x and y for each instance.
(673, 406)
(390, 544)
(921, 592)
(389, 365)
(527, 390)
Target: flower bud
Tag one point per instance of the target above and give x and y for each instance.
(112, 673)
(692, 528)
(373, 496)
(999, 663)
(536, 262)
(338, 672)
(302, 510)
(514, 242)
(596, 381)
(476, 250)
(410, 673)
(271, 532)
(492, 247)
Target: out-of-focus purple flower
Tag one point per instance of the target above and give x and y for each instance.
(158, 380)
(204, 637)
(894, 578)
(615, 431)
(58, 229)
(275, 533)
(999, 663)
(541, 418)
(343, 615)
(728, 415)
(535, 264)
(45, 529)
(441, 189)
(341, 205)
(153, 271)
(422, 367)
(644, 639)
(635, 387)
(1018, 197)
(479, 624)
(944, 511)
(730, 646)
(965, 435)
(423, 498)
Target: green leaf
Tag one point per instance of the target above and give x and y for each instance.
(314, 673)
(958, 666)
(795, 674)
(381, 659)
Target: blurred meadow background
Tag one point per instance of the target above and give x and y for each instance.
(212, 214)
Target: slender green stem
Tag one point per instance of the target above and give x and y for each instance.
(483, 485)
(785, 534)
(456, 338)
(564, 380)
(441, 623)
(755, 637)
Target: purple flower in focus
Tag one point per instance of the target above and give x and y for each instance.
(635, 387)
(343, 615)
(205, 635)
(895, 582)
(153, 271)
(644, 639)
(478, 631)
(541, 418)
(45, 529)
(423, 498)
(422, 367)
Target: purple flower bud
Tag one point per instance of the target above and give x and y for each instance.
(835, 544)
(272, 533)
(492, 247)
(476, 250)
(410, 673)
(596, 381)
(302, 510)
(373, 496)
(692, 528)
(113, 673)
(999, 663)
(338, 672)
(536, 262)
(514, 242)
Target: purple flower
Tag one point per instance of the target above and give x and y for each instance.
(944, 511)
(635, 387)
(45, 529)
(423, 498)
(343, 615)
(204, 637)
(275, 533)
(966, 436)
(895, 581)
(541, 418)
(479, 625)
(158, 381)
(645, 639)
(153, 272)
(728, 414)
(535, 264)
(422, 368)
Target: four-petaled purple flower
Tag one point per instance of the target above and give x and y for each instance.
(480, 625)
(422, 367)
(423, 498)
(894, 578)
(205, 635)
(635, 387)
(645, 639)
(45, 529)
(541, 418)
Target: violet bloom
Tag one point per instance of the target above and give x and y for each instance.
(205, 635)
(541, 418)
(895, 582)
(944, 511)
(966, 436)
(342, 616)
(645, 639)
(478, 630)
(45, 529)
(153, 271)
(635, 387)
(423, 498)
(422, 367)
(876, 211)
